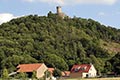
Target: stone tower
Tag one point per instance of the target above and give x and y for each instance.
(59, 12)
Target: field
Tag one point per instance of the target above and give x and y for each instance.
(98, 79)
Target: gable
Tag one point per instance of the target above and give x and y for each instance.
(92, 69)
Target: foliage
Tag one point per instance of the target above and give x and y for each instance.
(57, 73)
(22, 75)
(34, 75)
(57, 42)
(47, 74)
(5, 74)
(115, 62)
(53, 60)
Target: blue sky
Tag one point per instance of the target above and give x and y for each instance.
(106, 12)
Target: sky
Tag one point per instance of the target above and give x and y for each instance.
(106, 12)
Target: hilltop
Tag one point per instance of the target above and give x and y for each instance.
(54, 41)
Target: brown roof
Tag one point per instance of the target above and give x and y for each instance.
(81, 68)
(51, 70)
(66, 73)
(28, 67)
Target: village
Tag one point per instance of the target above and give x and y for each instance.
(77, 71)
(39, 71)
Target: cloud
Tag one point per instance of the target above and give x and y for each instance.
(5, 17)
(101, 14)
(29, 0)
(60, 2)
(72, 2)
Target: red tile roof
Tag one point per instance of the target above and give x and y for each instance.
(28, 67)
(66, 73)
(51, 70)
(81, 68)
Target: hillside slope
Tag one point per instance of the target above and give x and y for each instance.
(55, 41)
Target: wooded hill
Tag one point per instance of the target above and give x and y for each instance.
(59, 43)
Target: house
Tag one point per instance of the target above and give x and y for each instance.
(40, 68)
(64, 73)
(51, 70)
(83, 70)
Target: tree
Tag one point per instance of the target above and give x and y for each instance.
(34, 75)
(5, 74)
(108, 67)
(97, 63)
(115, 61)
(53, 60)
(47, 73)
(57, 42)
(23, 75)
(57, 73)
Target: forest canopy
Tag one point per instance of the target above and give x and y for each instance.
(54, 41)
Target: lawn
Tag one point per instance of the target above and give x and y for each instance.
(118, 78)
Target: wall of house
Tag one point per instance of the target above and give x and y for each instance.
(41, 70)
(92, 72)
(85, 75)
(75, 75)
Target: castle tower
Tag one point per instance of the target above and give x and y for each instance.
(60, 13)
(59, 10)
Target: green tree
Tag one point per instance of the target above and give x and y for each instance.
(53, 60)
(115, 61)
(108, 67)
(56, 41)
(5, 74)
(98, 65)
(47, 74)
(57, 73)
(23, 75)
(34, 75)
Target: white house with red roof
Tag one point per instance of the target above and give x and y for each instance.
(83, 70)
(40, 68)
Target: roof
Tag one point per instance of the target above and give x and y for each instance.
(51, 70)
(66, 73)
(81, 68)
(28, 67)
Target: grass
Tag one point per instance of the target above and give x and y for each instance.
(118, 78)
